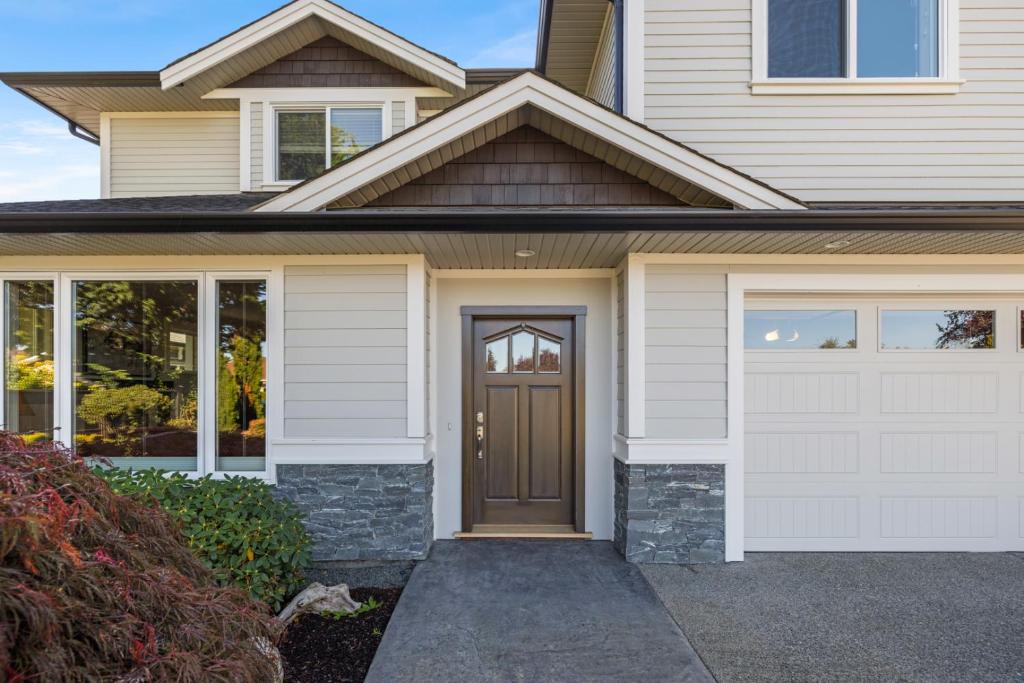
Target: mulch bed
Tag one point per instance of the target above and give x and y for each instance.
(316, 649)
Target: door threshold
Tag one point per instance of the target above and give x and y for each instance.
(540, 531)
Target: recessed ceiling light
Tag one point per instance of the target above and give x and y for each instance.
(526, 253)
(838, 244)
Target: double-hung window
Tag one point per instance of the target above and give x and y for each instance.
(864, 45)
(312, 140)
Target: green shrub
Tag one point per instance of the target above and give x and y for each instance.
(234, 525)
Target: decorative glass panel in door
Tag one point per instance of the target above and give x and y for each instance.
(522, 351)
(497, 356)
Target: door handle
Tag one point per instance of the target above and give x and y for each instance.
(480, 437)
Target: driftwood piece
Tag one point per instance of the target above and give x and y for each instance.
(319, 598)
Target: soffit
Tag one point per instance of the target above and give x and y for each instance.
(479, 250)
(574, 32)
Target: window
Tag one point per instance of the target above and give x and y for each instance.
(943, 330)
(28, 381)
(804, 330)
(309, 141)
(531, 354)
(241, 393)
(136, 398)
(856, 40)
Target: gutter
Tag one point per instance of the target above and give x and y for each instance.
(544, 34)
(1009, 221)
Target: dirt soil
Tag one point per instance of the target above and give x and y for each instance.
(317, 649)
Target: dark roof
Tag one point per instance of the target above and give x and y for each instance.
(210, 203)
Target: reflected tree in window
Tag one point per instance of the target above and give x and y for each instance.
(241, 375)
(135, 372)
(29, 360)
(966, 330)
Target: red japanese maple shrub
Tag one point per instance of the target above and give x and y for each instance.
(96, 586)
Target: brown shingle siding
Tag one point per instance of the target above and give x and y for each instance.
(328, 63)
(526, 167)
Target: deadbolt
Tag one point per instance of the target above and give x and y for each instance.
(479, 418)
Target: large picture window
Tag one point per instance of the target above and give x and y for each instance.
(309, 141)
(135, 372)
(241, 393)
(854, 38)
(28, 345)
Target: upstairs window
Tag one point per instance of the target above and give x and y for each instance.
(311, 140)
(856, 39)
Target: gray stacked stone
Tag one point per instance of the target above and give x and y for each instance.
(363, 512)
(670, 514)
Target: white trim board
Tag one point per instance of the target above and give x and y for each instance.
(529, 89)
(291, 14)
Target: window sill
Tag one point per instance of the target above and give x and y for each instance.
(852, 86)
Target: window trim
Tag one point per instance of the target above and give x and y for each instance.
(947, 82)
(383, 106)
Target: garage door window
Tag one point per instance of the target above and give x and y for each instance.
(961, 329)
(800, 330)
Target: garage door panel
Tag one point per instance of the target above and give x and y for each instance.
(886, 450)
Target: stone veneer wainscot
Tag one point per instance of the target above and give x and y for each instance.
(670, 514)
(363, 512)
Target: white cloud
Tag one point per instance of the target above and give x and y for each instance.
(40, 160)
(519, 50)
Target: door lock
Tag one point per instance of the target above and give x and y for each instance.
(480, 438)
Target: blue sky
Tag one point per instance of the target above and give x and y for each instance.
(39, 160)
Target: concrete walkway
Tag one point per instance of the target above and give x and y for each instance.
(928, 617)
(531, 611)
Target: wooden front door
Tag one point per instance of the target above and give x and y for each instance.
(521, 460)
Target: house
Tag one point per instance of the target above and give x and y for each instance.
(714, 277)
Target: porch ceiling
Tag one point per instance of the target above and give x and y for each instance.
(553, 249)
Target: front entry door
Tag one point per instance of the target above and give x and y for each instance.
(522, 455)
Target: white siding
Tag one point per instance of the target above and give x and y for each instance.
(345, 351)
(685, 352)
(601, 86)
(256, 153)
(397, 117)
(173, 156)
(963, 147)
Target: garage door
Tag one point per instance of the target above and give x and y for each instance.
(884, 425)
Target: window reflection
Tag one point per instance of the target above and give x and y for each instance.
(135, 372)
(522, 352)
(497, 356)
(549, 355)
(29, 355)
(800, 330)
(241, 375)
(928, 330)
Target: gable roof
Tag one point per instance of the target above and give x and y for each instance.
(529, 98)
(297, 24)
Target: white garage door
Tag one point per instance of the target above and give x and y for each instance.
(884, 425)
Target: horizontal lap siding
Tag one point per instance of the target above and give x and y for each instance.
(963, 147)
(256, 155)
(685, 347)
(602, 80)
(345, 351)
(152, 157)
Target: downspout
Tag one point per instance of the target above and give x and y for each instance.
(618, 33)
(73, 129)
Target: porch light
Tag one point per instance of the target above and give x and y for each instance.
(526, 253)
(838, 244)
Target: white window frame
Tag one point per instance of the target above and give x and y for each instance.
(947, 82)
(276, 110)
(206, 339)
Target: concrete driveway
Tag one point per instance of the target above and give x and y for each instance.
(852, 617)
